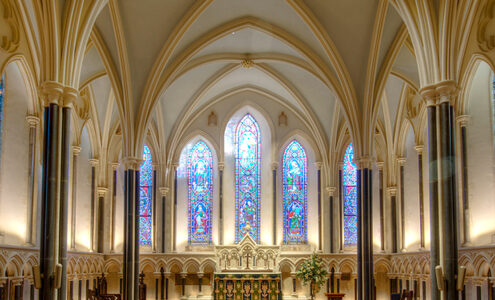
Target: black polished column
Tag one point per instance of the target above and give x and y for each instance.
(113, 209)
(341, 211)
(274, 202)
(131, 230)
(318, 186)
(419, 149)
(33, 122)
(463, 122)
(382, 205)
(331, 191)
(163, 230)
(73, 215)
(220, 200)
(93, 225)
(401, 161)
(154, 207)
(392, 191)
(100, 218)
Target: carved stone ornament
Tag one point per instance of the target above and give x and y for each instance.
(212, 119)
(486, 27)
(9, 32)
(282, 119)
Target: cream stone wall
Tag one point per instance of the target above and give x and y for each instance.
(14, 160)
(411, 192)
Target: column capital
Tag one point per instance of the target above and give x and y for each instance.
(101, 191)
(392, 190)
(156, 166)
(200, 275)
(340, 165)
(364, 162)
(318, 165)
(463, 120)
(50, 92)
(163, 191)
(419, 148)
(380, 165)
(440, 92)
(114, 165)
(401, 160)
(70, 96)
(17, 281)
(331, 190)
(94, 162)
(175, 166)
(32, 121)
(183, 275)
(274, 166)
(76, 150)
(132, 163)
(221, 165)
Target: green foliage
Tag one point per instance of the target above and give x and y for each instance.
(312, 271)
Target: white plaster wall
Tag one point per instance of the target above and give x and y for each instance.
(376, 209)
(83, 202)
(119, 210)
(411, 195)
(481, 182)
(14, 160)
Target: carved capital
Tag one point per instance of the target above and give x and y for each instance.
(435, 94)
(132, 163)
(401, 161)
(94, 162)
(163, 191)
(392, 190)
(10, 37)
(380, 165)
(331, 190)
(221, 166)
(101, 191)
(32, 121)
(463, 120)
(274, 166)
(51, 92)
(76, 150)
(114, 165)
(70, 97)
(364, 162)
(318, 165)
(419, 148)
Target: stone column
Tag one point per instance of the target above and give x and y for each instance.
(441, 136)
(392, 192)
(100, 219)
(163, 194)
(274, 201)
(221, 166)
(318, 186)
(73, 215)
(419, 149)
(380, 166)
(463, 121)
(93, 227)
(331, 192)
(33, 122)
(131, 229)
(401, 161)
(54, 197)
(115, 166)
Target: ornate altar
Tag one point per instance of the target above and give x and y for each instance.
(247, 271)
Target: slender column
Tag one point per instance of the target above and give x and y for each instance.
(167, 277)
(162, 284)
(73, 215)
(294, 282)
(274, 202)
(157, 285)
(154, 207)
(331, 192)
(200, 284)
(131, 229)
(93, 227)
(341, 210)
(382, 206)
(419, 149)
(183, 283)
(220, 192)
(113, 210)
(463, 122)
(17, 283)
(33, 122)
(101, 191)
(401, 161)
(392, 191)
(318, 181)
(163, 193)
(174, 225)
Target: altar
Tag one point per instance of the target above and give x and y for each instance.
(244, 286)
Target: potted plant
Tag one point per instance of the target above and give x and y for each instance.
(312, 272)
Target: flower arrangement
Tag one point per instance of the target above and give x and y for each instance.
(313, 272)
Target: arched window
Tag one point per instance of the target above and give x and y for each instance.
(200, 187)
(247, 178)
(350, 198)
(295, 174)
(145, 194)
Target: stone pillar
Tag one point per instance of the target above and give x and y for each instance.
(131, 229)
(33, 122)
(331, 192)
(401, 161)
(463, 121)
(93, 227)
(365, 230)
(73, 215)
(100, 219)
(392, 192)
(113, 210)
(443, 224)
(318, 186)
(419, 149)
(341, 209)
(380, 166)
(54, 184)
(274, 201)
(164, 193)
(221, 166)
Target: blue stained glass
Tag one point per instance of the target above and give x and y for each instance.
(247, 178)
(350, 197)
(145, 196)
(295, 174)
(200, 189)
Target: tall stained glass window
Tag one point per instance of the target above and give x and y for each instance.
(295, 174)
(145, 196)
(350, 198)
(200, 188)
(247, 178)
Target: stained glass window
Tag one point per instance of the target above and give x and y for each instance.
(350, 198)
(247, 178)
(200, 188)
(145, 197)
(295, 174)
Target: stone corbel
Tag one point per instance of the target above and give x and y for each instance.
(94, 162)
(419, 149)
(380, 165)
(392, 191)
(101, 191)
(401, 161)
(274, 166)
(331, 190)
(76, 150)
(32, 121)
(463, 120)
(221, 166)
